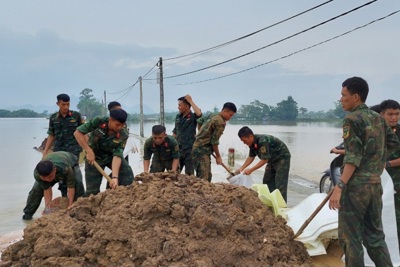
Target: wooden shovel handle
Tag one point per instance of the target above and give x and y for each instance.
(307, 222)
(100, 169)
(223, 165)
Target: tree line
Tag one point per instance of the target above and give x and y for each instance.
(256, 111)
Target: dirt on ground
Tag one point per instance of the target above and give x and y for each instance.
(163, 219)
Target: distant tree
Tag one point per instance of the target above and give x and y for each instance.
(256, 111)
(89, 106)
(5, 113)
(303, 113)
(286, 110)
(339, 111)
(250, 112)
(24, 113)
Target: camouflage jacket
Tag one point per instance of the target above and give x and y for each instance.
(185, 129)
(64, 163)
(168, 150)
(63, 128)
(394, 172)
(268, 147)
(367, 139)
(209, 134)
(104, 146)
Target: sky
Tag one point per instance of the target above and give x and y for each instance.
(50, 47)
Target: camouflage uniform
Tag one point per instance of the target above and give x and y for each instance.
(68, 172)
(105, 147)
(185, 131)
(62, 128)
(209, 134)
(163, 154)
(365, 134)
(394, 173)
(276, 175)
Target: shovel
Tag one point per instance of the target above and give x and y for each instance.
(100, 169)
(307, 222)
(226, 168)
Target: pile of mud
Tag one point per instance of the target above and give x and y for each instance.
(163, 220)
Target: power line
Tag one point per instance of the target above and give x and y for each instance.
(150, 70)
(125, 94)
(247, 35)
(122, 91)
(296, 52)
(126, 91)
(274, 43)
(133, 85)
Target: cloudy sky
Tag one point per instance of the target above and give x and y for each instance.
(49, 47)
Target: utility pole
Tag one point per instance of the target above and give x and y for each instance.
(105, 103)
(141, 109)
(162, 120)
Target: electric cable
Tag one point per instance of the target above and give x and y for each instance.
(247, 35)
(293, 53)
(271, 44)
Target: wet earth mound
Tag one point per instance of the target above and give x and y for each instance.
(163, 219)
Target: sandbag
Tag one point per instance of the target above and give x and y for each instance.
(242, 179)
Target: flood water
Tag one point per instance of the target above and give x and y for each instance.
(309, 144)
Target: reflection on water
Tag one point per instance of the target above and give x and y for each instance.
(309, 144)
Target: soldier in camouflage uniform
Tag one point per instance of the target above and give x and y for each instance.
(106, 145)
(116, 105)
(270, 150)
(185, 131)
(62, 126)
(390, 111)
(207, 141)
(56, 167)
(358, 193)
(163, 148)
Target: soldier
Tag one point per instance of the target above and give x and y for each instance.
(116, 105)
(106, 145)
(56, 167)
(185, 131)
(113, 105)
(272, 151)
(390, 111)
(358, 193)
(207, 141)
(165, 151)
(62, 125)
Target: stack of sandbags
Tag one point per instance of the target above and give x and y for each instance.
(321, 229)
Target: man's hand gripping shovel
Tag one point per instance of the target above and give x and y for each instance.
(100, 169)
(231, 174)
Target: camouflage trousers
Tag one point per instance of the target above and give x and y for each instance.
(360, 222)
(94, 178)
(397, 209)
(36, 194)
(160, 165)
(276, 176)
(186, 161)
(202, 164)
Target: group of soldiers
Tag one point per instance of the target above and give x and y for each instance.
(371, 143)
(103, 139)
(194, 140)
